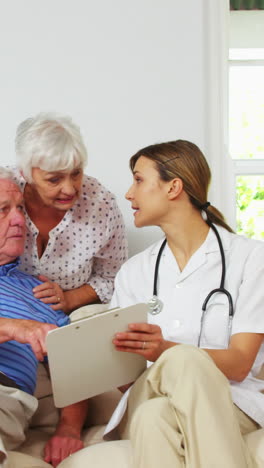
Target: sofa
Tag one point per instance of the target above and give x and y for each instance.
(45, 420)
(98, 453)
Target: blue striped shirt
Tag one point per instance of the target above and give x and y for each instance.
(17, 301)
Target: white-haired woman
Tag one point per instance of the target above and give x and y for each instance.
(75, 239)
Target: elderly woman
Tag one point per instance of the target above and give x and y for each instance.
(75, 232)
(75, 239)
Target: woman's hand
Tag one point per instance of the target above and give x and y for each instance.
(144, 339)
(50, 292)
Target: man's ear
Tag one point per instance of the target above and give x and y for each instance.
(175, 188)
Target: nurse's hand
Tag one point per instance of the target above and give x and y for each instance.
(144, 339)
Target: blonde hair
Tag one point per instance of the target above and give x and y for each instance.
(50, 142)
(184, 160)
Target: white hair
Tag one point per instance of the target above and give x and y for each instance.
(5, 173)
(51, 142)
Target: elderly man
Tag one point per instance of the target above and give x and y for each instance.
(24, 324)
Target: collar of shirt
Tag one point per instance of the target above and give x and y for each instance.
(6, 269)
(199, 257)
(209, 245)
(58, 229)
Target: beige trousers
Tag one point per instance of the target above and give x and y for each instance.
(16, 409)
(180, 414)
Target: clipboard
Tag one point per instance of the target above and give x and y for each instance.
(83, 361)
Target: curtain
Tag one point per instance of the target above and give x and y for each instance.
(246, 4)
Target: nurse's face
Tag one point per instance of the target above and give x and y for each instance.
(148, 194)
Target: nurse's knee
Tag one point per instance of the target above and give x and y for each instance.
(189, 359)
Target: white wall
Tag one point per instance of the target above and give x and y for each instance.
(129, 73)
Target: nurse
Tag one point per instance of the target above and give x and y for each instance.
(201, 394)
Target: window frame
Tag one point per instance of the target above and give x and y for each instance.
(249, 166)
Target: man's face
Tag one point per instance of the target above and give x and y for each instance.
(12, 222)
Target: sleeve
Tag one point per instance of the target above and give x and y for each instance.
(111, 256)
(122, 296)
(130, 283)
(249, 307)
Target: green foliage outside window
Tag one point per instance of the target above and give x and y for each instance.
(250, 206)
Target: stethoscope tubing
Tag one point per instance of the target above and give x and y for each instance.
(220, 289)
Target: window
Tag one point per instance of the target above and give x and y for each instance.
(246, 137)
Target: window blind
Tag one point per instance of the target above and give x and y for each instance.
(246, 4)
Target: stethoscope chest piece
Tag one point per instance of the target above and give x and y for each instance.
(155, 305)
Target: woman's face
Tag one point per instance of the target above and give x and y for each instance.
(58, 189)
(148, 194)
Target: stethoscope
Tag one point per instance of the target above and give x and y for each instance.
(156, 306)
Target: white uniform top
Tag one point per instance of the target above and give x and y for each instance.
(183, 293)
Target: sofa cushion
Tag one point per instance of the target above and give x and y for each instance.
(119, 453)
(101, 407)
(107, 454)
(47, 416)
(35, 442)
(93, 435)
(21, 460)
(255, 442)
(43, 387)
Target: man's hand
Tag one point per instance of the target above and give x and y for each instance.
(63, 444)
(26, 331)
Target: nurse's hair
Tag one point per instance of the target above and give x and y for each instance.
(50, 142)
(184, 160)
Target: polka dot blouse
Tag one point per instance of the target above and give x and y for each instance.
(88, 246)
